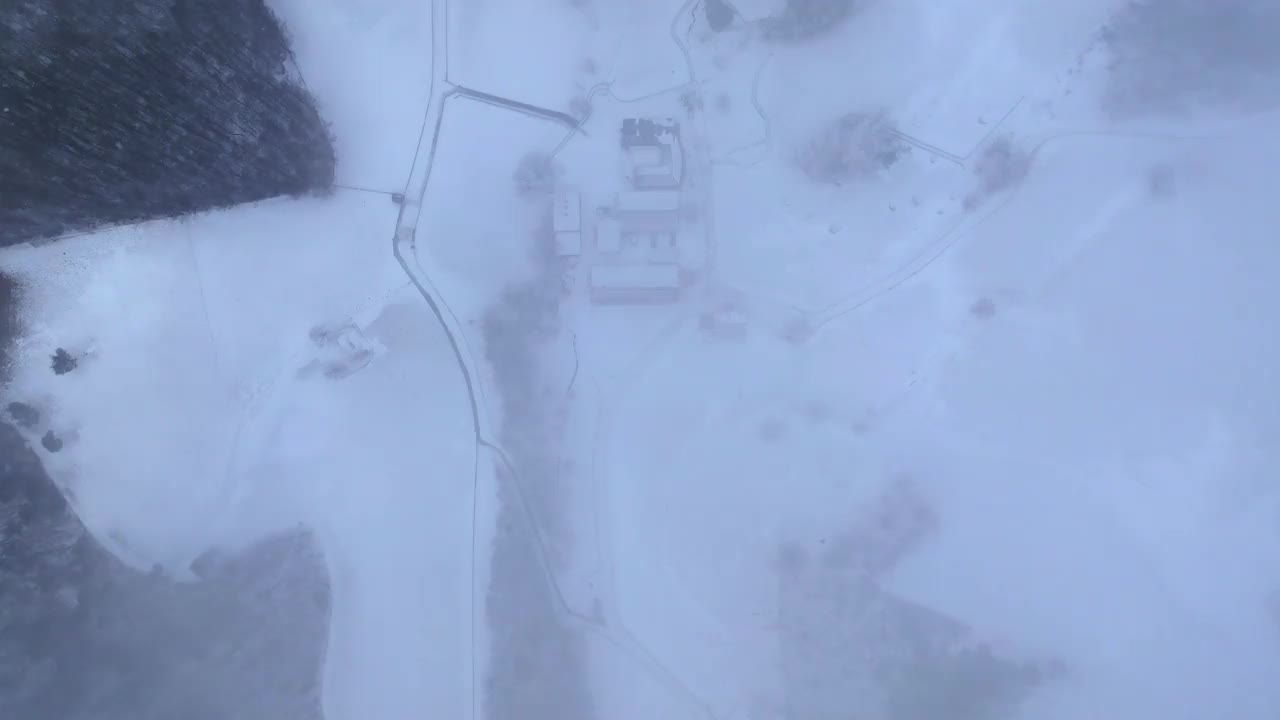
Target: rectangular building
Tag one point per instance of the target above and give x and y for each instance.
(635, 283)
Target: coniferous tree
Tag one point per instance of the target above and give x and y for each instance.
(124, 110)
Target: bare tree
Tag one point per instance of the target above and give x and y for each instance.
(536, 174)
(854, 146)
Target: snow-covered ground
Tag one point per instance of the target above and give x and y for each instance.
(1066, 348)
(551, 54)
(369, 66)
(542, 49)
(474, 231)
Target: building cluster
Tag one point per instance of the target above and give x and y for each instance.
(636, 249)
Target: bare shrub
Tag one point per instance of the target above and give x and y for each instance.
(772, 430)
(580, 107)
(797, 331)
(805, 19)
(895, 525)
(1177, 55)
(536, 174)
(1001, 166)
(983, 308)
(855, 146)
(790, 559)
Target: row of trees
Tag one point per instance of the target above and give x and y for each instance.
(125, 110)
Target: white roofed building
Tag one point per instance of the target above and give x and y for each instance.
(635, 283)
(566, 221)
(654, 154)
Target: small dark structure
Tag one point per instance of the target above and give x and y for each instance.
(25, 415)
(51, 442)
(63, 362)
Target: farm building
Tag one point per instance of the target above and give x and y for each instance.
(622, 239)
(635, 283)
(654, 154)
(566, 221)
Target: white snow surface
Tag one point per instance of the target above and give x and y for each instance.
(1075, 370)
(368, 64)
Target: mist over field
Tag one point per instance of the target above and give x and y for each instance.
(575, 359)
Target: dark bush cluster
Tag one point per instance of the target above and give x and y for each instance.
(805, 19)
(116, 111)
(1178, 55)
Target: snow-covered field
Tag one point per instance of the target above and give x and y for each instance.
(1054, 326)
(248, 370)
(369, 66)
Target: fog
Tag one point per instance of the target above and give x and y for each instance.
(734, 360)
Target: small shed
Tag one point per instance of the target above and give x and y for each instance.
(566, 221)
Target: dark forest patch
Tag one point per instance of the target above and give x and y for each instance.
(1172, 56)
(83, 637)
(119, 111)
